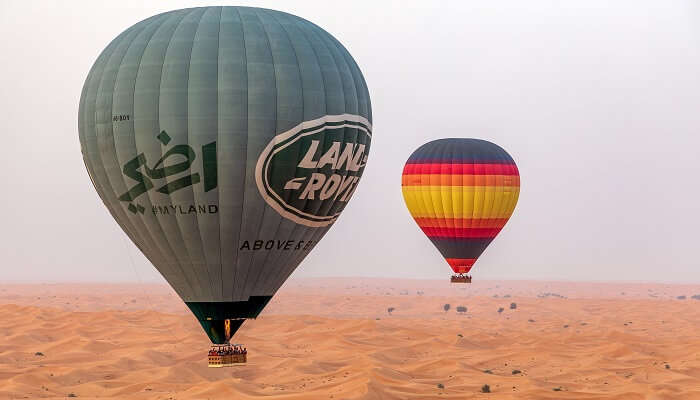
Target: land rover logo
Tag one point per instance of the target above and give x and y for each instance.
(308, 173)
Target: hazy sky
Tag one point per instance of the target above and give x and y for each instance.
(597, 101)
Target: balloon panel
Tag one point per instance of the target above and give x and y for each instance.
(461, 192)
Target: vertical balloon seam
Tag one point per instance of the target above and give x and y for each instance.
(190, 189)
(221, 165)
(213, 265)
(476, 246)
(485, 205)
(469, 191)
(190, 138)
(437, 155)
(245, 155)
(236, 283)
(167, 233)
(86, 116)
(98, 94)
(447, 151)
(496, 189)
(261, 220)
(266, 215)
(427, 195)
(192, 17)
(263, 270)
(456, 193)
(218, 131)
(147, 237)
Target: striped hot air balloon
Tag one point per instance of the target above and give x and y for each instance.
(461, 192)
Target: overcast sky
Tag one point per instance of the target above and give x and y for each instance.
(598, 102)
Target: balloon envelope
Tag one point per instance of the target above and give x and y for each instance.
(225, 141)
(461, 192)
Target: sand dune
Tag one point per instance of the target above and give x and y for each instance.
(334, 339)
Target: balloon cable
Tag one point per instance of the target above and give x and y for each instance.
(143, 288)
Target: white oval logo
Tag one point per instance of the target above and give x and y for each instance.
(308, 173)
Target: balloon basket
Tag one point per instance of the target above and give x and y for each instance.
(226, 355)
(460, 279)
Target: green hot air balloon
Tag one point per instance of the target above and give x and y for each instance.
(225, 141)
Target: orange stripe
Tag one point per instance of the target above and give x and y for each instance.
(461, 222)
(459, 180)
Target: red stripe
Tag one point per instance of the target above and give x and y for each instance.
(466, 233)
(461, 169)
(461, 265)
(461, 222)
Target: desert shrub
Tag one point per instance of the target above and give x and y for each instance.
(516, 372)
(488, 371)
(695, 297)
(681, 297)
(500, 309)
(440, 386)
(557, 389)
(39, 354)
(486, 389)
(390, 309)
(460, 335)
(461, 309)
(446, 307)
(513, 306)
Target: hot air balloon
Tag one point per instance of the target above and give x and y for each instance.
(225, 142)
(461, 192)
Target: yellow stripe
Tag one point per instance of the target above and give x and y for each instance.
(461, 201)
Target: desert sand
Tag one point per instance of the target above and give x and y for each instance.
(335, 339)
